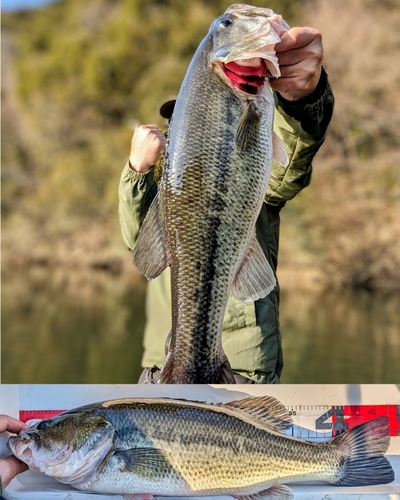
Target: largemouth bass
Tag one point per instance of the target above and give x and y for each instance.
(145, 447)
(216, 171)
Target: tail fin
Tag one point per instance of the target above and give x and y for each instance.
(168, 374)
(225, 373)
(174, 373)
(363, 448)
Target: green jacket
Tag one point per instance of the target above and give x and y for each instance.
(251, 336)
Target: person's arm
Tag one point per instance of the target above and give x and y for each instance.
(304, 106)
(137, 187)
(10, 466)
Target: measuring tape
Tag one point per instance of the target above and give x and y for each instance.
(328, 421)
(310, 422)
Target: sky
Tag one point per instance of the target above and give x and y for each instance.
(14, 5)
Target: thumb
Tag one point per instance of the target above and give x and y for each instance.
(9, 468)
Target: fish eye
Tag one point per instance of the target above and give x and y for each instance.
(43, 425)
(225, 22)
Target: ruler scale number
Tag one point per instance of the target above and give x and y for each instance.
(347, 417)
(322, 422)
(310, 422)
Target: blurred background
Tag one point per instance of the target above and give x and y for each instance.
(77, 77)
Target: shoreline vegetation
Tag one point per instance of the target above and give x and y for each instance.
(77, 78)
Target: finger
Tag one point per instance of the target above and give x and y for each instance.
(9, 468)
(153, 129)
(304, 69)
(144, 132)
(145, 128)
(11, 424)
(15, 466)
(296, 38)
(291, 57)
(160, 135)
(308, 57)
(295, 86)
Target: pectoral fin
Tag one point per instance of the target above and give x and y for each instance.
(279, 151)
(248, 127)
(141, 461)
(255, 278)
(150, 255)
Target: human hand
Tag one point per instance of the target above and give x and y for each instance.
(10, 466)
(300, 55)
(148, 144)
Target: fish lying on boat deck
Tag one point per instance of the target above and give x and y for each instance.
(216, 171)
(143, 447)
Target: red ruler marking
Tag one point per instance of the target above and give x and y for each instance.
(356, 415)
(346, 417)
(25, 415)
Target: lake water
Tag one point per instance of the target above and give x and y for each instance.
(87, 327)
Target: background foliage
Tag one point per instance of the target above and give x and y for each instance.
(79, 75)
(349, 218)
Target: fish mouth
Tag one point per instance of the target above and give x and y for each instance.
(21, 449)
(248, 76)
(24, 448)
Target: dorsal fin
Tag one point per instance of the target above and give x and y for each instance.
(265, 410)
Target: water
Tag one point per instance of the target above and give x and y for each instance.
(341, 337)
(60, 327)
(71, 328)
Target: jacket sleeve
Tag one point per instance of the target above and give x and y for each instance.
(136, 192)
(302, 126)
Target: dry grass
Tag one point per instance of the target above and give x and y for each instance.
(351, 212)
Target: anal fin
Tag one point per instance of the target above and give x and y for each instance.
(255, 278)
(138, 496)
(276, 492)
